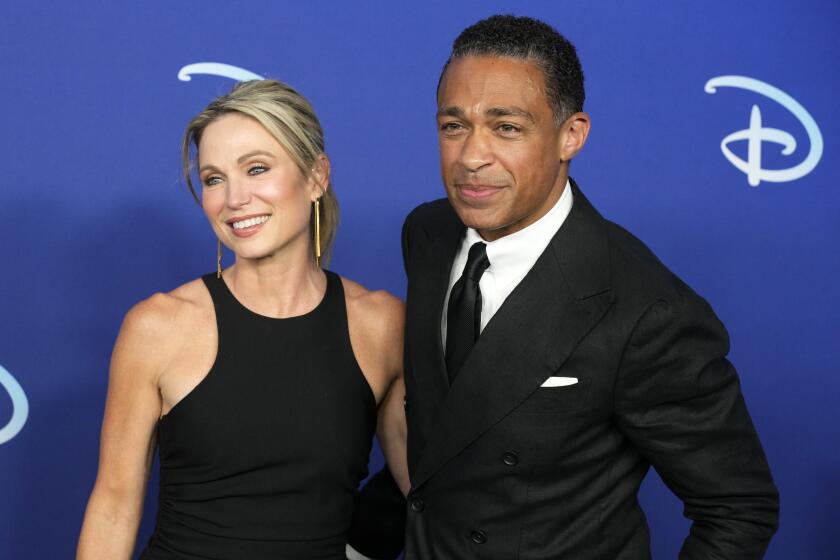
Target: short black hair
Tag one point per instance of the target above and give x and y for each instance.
(531, 40)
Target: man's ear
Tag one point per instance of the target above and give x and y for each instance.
(320, 176)
(573, 134)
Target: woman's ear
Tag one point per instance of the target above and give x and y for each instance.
(320, 176)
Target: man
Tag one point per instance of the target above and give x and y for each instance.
(593, 363)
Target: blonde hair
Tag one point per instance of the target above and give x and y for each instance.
(290, 119)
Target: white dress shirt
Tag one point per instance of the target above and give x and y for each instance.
(511, 257)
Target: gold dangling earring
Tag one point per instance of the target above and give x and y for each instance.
(318, 232)
(219, 260)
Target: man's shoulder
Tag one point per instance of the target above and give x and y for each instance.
(630, 261)
(434, 221)
(435, 211)
(637, 269)
(630, 249)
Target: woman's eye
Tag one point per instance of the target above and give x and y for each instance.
(257, 169)
(211, 180)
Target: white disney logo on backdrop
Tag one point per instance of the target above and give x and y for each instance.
(20, 406)
(756, 134)
(186, 73)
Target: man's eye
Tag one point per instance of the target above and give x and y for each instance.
(509, 129)
(211, 180)
(450, 127)
(257, 169)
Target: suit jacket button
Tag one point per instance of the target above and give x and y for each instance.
(510, 458)
(416, 505)
(478, 537)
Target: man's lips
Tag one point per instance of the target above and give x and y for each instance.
(477, 192)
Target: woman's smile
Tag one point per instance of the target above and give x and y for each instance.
(247, 226)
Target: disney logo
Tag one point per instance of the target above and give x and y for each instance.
(186, 73)
(756, 134)
(20, 406)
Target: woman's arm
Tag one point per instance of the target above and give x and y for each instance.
(127, 443)
(391, 425)
(376, 321)
(391, 430)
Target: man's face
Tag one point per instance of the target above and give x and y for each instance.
(501, 151)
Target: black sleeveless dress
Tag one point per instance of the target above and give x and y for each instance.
(263, 458)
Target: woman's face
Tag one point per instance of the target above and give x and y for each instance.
(253, 194)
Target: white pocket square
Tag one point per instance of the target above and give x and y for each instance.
(559, 381)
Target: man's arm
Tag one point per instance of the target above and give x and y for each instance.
(679, 400)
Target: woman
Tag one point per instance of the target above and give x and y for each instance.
(261, 385)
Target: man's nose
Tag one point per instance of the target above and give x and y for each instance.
(476, 152)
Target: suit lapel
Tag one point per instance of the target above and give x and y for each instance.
(563, 296)
(425, 305)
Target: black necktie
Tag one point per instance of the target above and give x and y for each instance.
(463, 319)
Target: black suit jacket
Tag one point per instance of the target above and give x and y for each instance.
(502, 468)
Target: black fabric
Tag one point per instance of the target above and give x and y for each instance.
(503, 466)
(378, 529)
(263, 458)
(463, 323)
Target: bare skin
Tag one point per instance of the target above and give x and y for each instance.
(504, 159)
(167, 343)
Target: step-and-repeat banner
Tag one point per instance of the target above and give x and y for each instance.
(713, 139)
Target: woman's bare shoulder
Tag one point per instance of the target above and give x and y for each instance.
(373, 306)
(376, 320)
(165, 317)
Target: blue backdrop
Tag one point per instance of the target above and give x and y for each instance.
(94, 218)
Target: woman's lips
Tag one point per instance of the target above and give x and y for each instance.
(248, 225)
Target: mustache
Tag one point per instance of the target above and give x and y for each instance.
(482, 179)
